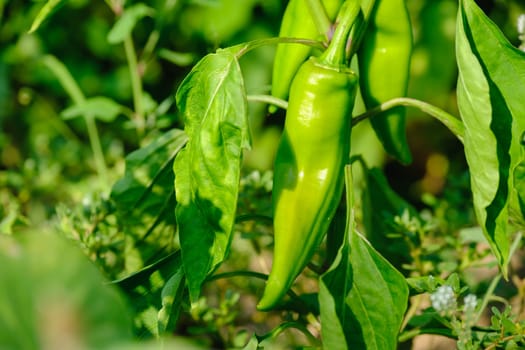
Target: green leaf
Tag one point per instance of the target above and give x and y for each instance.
(145, 200)
(149, 291)
(45, 12)
(171, 296)
(100, 107)
(362, 296)
(491, 106)
(380, 205)
(363, 299)
(125, 24)
(53, 297)
(212, 100)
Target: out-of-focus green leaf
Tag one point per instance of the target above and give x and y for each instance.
(181, 59)
(64, 77)
(47, 10)
(100, 107)
(145, 199)
(52, 297)
(213, 102)
(491, 104)
(125, 24)
(216, 21)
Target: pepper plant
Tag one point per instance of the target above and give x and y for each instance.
(173, 222)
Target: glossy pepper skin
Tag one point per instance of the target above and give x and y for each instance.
(384, 63)
(297, 22)
(309, 169)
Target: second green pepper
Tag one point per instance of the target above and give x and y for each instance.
(384, 63)
(297, 22)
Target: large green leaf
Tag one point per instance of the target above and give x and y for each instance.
(362, 296)
(491, 103)
(363, 299)
(213, 102)
(145, 200)
(53, 297)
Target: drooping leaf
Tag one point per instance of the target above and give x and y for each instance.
(149, 290)
(45, 12)
(213, 102)
(380, 205)
(53, 297)
(491, 78)
(125, 24)
(145, 200)
(100, 107)
(362, 296)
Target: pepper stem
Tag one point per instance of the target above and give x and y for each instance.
(319, 16)
(335, 54)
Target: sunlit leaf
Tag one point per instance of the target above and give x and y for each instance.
(490, 89)
(213, 102)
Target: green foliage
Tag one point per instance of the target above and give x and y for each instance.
(213, 102)
(490, 108)
(135, 190)
(50, 306)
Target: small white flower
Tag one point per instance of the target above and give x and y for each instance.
(470, 301)
(521, 24)
(443, 299)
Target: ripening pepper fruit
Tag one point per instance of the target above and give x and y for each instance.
(297, 22)
(310, 160)
(384, 63)
(309, 169)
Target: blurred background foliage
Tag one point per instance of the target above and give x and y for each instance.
(46, 160)
(49, 176)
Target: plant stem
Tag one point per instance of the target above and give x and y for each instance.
(238, 273)
(75, 93)
(290, 324)
(241, 49)
(321, 20)
(361, 24)
(335, 54)
(269, 99)
(414, 306)
(136, 84)
(451, 122)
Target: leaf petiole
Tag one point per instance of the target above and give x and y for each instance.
(451, 122)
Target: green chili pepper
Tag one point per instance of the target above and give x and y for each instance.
(384, 63)
(297, 22)
(309, 166)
